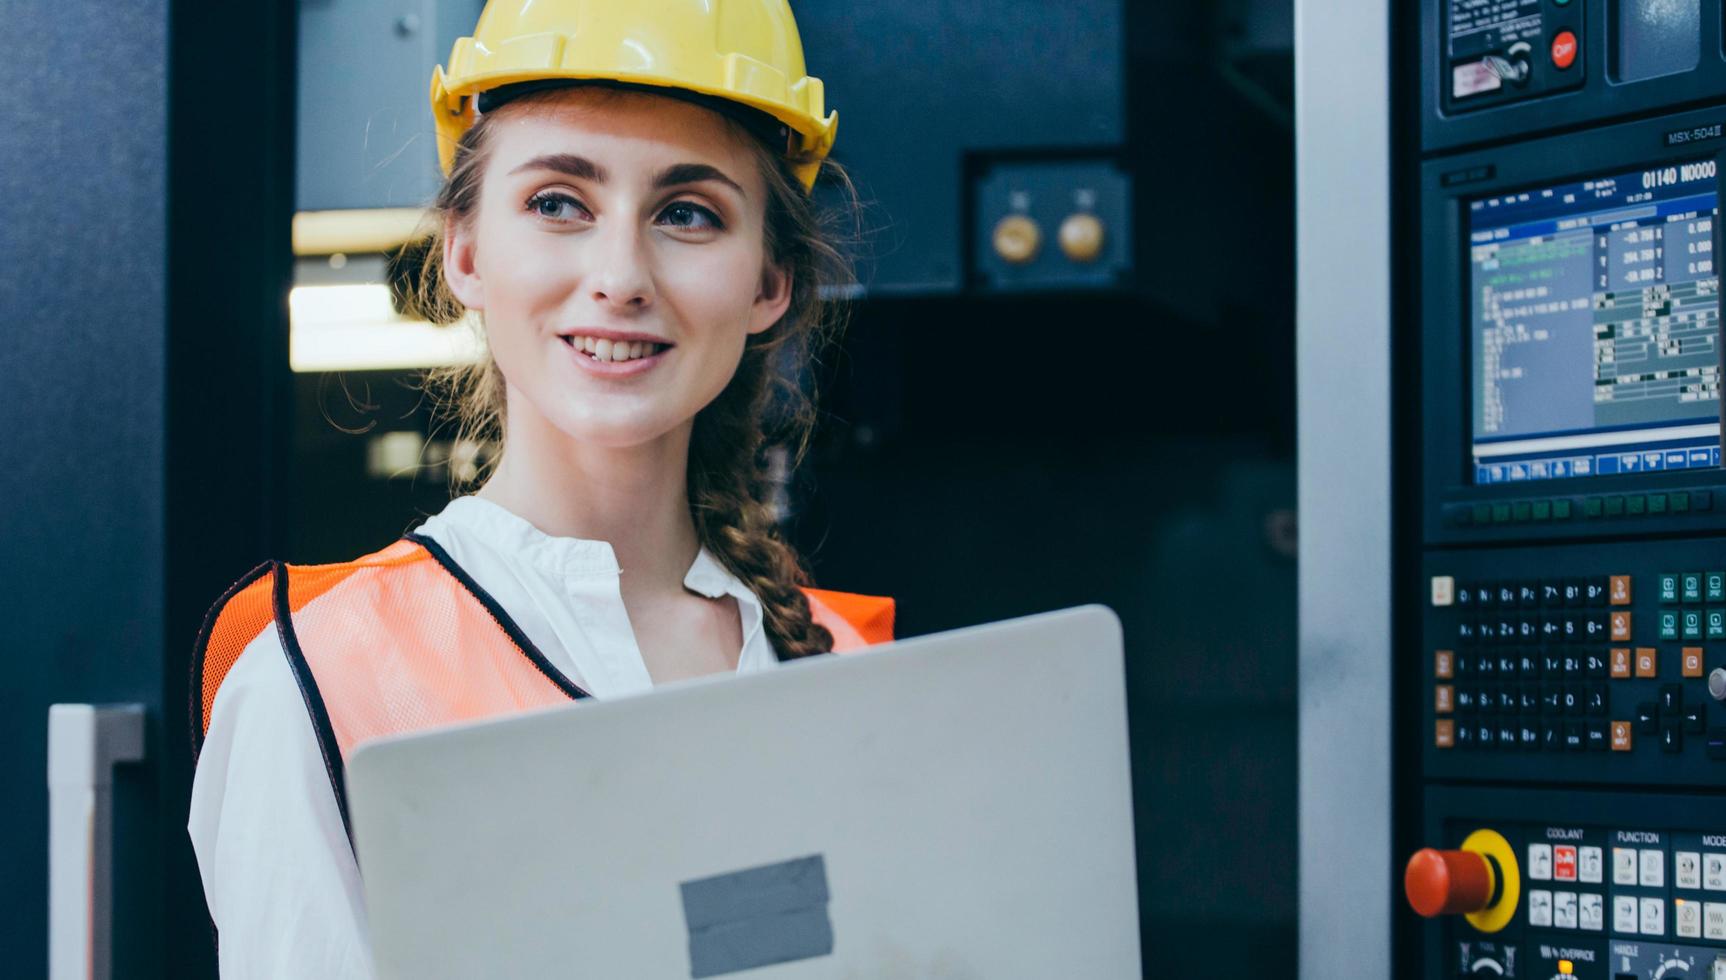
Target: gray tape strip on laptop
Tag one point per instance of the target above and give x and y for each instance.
(776, 913)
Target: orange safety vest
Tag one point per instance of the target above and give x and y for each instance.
(404, 639)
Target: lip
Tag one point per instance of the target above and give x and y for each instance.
(615, 369)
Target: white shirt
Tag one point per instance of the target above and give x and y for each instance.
(279, 873)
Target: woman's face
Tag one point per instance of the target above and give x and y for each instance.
(618, 256)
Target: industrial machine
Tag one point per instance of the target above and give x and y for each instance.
(1559, 509)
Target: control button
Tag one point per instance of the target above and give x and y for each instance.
(1564, 910)
(1444, 699)
(1446, 882)
(1680, 501)
(1624, 914)
(1444, 733)
(1443, 590)
(1687, 918)
(1653, 919)
(1656, 503)
(1597, 738)
(1500, 513)
(1529, 662)
(1690, 659)
(1563, 50)
(1528, 594)
(1647, 720)
(1624, 866)
(1521, 511)
(1552, 736)
(1668, 588)
(1561, 510)
(1621, 626)
(1597, 701)
(1509, 663)
(1714, 586)
(1552, 592)
(1619, 589)
(1714, 921)
(1714, 872)
(1687, 870)
(1717, 683)
(1636, 504)
(1017, 239)
(1669, 624)
(1691, 620)
(1702, 499)
(1594, 663)
(1508, 736)
(1482, 513)
(1695, 719)
(1671, 737)
(1690, 587)
(1589, 865)
(1540, 908)
(1540, 862)
(1530, 699)
(1651, 865)
(1591, 912)
(1081, 237)
(1542, 510)
(1619, 662)
(1564, 862)
(1593, 506)
(1614, 506)
(1671, 700)
(1575, 736)
(1444, 664)
(1507, 593)
(1716, 620)
(1647, 662)
(1529, 735)
(1621, 739)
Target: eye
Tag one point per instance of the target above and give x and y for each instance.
(553, 206)
(688, 214)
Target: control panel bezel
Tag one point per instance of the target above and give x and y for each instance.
(1598, 99)
(1450, 497)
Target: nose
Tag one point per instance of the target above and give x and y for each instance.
(620, 276)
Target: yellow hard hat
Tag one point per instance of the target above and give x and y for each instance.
(728, 53)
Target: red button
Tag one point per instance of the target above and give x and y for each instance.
(1446, 882)
(1564, 50)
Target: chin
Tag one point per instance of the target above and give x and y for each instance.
(621, 430)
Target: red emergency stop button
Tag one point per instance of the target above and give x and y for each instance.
(1447, 882)
(1563, 50)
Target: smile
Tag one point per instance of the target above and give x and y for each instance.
(606, 350)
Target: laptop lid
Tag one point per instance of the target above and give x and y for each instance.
(954, 805)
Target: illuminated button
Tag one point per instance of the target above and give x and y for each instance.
(1620, 662)
(1621, 738)
(1624, 866)
(1669, 624)
(1564, 910)
(1690, 587)
(1443, 590)
(1543, 510)
(1593, 506)
(1680, 502)
(1564, 862)
(1444, 699)
(1081, 237)
(1618, 587)
(1651, 868)
(1624, 914)
(1589, 865)
(1690, 621)
(1540, 908)
(1716, 620)
(1540, 862)
(1591, 914)
(1563, 50)
(1692, 662)
(1500, 513)
(1621, 626)
(1653, 918)
(1444, 664)
(1687, 918)
(1714, 920)
(1017, 239)
(1561, 510)
(1687, 870)
(1444, 733)
(1656, 503)
(1714, 872)
(1636, 504)
(1714, 586)
(1614, 506)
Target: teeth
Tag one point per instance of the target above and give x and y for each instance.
(621, 350)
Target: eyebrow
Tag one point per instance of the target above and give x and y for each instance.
(582, 168)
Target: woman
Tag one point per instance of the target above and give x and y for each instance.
(627, 209)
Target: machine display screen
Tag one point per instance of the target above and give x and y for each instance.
(1596, 326)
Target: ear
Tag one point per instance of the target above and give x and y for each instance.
(773, 299)
(459, 272)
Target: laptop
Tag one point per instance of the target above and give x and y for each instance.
(955, 805)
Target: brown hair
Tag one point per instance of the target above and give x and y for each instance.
(729, 470)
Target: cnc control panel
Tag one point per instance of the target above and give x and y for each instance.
(1561, 644)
